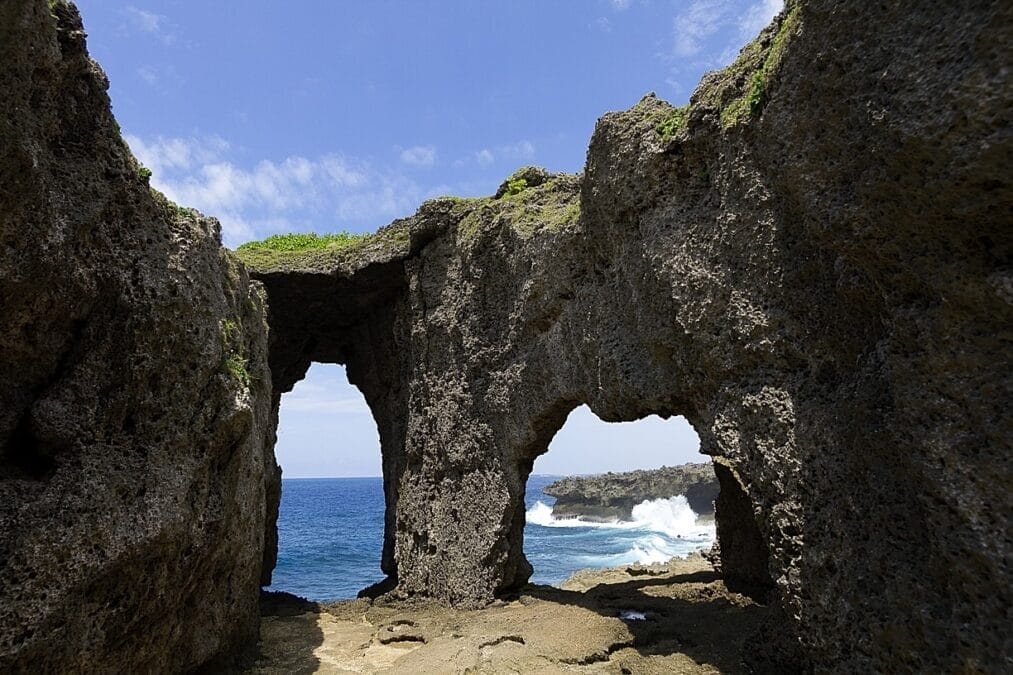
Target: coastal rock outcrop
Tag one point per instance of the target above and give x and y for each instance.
(612, 496)
(810, 262)
(134, 390)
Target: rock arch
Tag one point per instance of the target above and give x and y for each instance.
(741, 262)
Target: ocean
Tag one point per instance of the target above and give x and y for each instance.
(330, 534)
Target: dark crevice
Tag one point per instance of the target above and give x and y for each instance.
(501, 639)
(26, 456)
(744, 556)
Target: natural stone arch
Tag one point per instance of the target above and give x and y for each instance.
(742, 551)
(334, 318)
(487, 331)
(768, 262)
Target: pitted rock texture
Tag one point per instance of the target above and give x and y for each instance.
(612, 496)
(134, 390)
(811, 263)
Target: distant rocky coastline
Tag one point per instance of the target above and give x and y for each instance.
(612, 496)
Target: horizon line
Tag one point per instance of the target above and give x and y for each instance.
(284, 477)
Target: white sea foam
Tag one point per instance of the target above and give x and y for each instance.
(672, 517)
(669, 527)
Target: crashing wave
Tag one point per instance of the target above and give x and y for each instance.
(672, 517)
(668, 525)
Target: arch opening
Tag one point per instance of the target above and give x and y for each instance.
(331, 516)
(614, 494)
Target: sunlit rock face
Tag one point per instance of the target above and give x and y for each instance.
(809, 263)
(134, 390)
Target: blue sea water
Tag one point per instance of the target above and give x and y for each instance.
(330, 534)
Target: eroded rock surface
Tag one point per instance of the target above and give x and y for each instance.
(674, 618)
(134, 392)
(612, 496)
(810, 262)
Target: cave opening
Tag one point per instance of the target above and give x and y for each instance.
(330, 521)
(614, 494)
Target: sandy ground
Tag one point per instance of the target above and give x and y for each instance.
(672, 618)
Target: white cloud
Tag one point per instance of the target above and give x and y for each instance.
(162, 154)
(162, 77)
(603, 24)
(146, 21)
(515, 152)
(518, 151)
(620, 5)
(254, 200)
(148, 74)
(419, 155)
(341, 172)
(322, 393)
(757, 16)
(708, 34)
(701, 20)
(149, 22)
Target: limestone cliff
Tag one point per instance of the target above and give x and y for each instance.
(612, 496)
(134, 392)
(810, 262)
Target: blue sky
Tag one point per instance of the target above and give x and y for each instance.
(323, 116)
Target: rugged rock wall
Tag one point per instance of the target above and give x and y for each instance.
(612, 496)
(134, 392)
(811, 263)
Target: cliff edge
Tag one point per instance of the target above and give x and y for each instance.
(134, 390)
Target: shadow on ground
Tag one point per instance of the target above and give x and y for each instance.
(294, 634)
(690, 614)
(673, 618)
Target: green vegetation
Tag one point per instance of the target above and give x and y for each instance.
(515, 186)
(234, 361)
(144, 173)
(549, 206)
(304, 242)
(752, 102)
(322, 251)
(757, 98)
(235, 365)
(53, 4)
(759, 91)
(732, 112)
(780, 42)
(174, 209)
(675, 123)
(230, 331)
(305, 249)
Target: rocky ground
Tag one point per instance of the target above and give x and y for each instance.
(690, 624)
